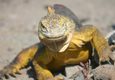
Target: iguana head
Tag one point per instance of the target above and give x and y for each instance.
(55, 30)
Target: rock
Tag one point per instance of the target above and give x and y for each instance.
(79, 76)
(74, 73)
(104, 72)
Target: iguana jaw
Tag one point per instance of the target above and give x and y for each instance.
(57, 45)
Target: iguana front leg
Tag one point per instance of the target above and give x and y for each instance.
(19, 62)
(41, 72)
(40, 63)
(91, 34)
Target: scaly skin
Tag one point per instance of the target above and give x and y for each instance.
(45, 60)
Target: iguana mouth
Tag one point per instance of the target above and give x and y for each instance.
(59, 44)
(54, 37)
(54, 44)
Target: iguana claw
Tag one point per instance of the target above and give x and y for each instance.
(9, 70)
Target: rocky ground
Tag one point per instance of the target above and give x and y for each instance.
(19, 20)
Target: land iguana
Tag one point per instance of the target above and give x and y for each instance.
(60, 45)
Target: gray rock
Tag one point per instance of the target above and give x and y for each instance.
(74, 73)
(104, 72)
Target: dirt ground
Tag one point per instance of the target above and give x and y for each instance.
(19, 20)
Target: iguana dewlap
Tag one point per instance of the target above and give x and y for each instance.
(60, 45)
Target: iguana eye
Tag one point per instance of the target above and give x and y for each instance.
(43, 28)
(42, 25)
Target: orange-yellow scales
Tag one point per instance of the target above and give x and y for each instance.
(60, 45)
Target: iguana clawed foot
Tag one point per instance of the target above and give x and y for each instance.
(86, 71)
(8, 71)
